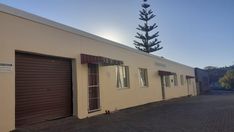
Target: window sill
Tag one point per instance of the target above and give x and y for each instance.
(144, 86)
(124, 88)
(92, 111)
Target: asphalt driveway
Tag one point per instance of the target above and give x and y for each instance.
(205, 113)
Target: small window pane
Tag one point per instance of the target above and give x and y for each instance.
(167, 80)
(122, 73)
(182, 79)
(175, 80)
(143, 77)
(189, 81)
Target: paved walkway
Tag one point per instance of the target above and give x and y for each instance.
(206, 113)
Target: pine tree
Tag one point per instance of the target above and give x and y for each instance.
(149, 43)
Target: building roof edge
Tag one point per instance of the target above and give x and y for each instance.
(38, 19)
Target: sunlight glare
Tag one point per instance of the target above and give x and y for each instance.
(110, 34)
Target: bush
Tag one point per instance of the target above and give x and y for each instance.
(227, 81)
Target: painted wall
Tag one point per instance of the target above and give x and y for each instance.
(18, 34)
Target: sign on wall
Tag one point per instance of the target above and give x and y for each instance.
(4, 67)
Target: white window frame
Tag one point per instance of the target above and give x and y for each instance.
(181, 80)
(189, 81)
(167, 81)
(122, 72)
(143, 83)
(175, 80)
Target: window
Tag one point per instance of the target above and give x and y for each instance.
(181, 79)
(189, 81)
(122, 76)
(167, 80)
(143, 77)
(175, 80)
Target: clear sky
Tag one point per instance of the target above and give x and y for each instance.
(197, 33)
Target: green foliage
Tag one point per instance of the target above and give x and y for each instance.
(227, 81)
(149, 43)
(215, 73)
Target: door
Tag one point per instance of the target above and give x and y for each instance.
(93, 88)
(163, 87)
(188, 86)
(43, 88)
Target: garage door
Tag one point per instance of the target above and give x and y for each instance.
(43, 88)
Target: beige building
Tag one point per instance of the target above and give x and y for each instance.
(49, 70)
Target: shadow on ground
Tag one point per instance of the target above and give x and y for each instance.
(213, 112)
